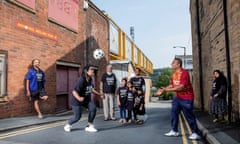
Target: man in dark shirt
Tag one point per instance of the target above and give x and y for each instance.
(138, 81)
(108, 87)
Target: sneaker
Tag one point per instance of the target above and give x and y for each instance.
(124, 121)
(40, 116)
(67, 128)
(90, 129)
(172, 133)
(194, 136)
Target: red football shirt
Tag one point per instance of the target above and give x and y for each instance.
(182, 77)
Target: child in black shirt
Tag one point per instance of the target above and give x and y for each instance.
(139, 108)
(130, 101)
(122, 99)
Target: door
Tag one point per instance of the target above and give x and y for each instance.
(66, 78)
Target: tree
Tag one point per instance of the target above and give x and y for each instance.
(164, 78)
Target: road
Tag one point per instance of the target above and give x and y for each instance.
(110, 132)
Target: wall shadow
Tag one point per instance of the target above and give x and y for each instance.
(81, 54)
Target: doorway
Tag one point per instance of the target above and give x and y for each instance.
(66, 78)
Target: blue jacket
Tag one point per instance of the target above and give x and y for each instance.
(33, 81)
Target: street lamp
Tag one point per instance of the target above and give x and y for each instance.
(184, 56)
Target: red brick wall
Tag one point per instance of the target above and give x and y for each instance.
(22, 47)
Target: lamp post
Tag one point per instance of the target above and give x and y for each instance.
(184, 56)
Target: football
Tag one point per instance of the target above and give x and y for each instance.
(98, 54)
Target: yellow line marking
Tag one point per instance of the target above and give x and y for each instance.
(37, 128)
(184, 138)
(28, 130)
(188, 127)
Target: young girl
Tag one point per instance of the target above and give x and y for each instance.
(81, 97)
(130, 101)
(122, 99)
(139, 108)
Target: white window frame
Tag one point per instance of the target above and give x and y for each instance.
(3, 75)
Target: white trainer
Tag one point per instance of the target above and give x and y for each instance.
(172, 134)
(194, 136)
(67, 128)
(91, 128)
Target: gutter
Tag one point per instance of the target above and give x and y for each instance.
(228, 61)
(200, 55)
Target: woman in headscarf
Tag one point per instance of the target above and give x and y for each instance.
(218, 104)
(81, 97)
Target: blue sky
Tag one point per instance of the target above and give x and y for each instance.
(159, 25)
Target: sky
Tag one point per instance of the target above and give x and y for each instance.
(158, 25)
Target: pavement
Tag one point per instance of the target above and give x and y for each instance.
(214, 133)
(10, 124)
(217, 133)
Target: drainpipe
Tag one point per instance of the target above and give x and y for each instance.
(200, 55)
(228, 61)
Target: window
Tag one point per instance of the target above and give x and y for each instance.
(2, 75)
(189, 62)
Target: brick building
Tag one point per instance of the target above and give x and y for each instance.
(215, 39)
(62, 34)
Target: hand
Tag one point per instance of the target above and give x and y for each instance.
(159, 91)
(102, 96)
(134, 89)
(81, 99)
(119, 104)
(140, 108)
(216, 95)
(28, 94)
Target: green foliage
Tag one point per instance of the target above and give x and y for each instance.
(164, 78)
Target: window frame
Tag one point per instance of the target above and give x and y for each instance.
(3, 81)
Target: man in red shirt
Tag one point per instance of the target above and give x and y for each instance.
(180, 83)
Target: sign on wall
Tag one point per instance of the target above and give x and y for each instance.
(35, 30)
(128, 49)
(114, 49)
(64, 12)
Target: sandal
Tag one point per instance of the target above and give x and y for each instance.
(113, 118)
(215, 120)
(140, 122)
(106, 119)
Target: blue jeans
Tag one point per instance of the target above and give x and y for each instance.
(77, 113)
(122, 112)
(187, 107)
